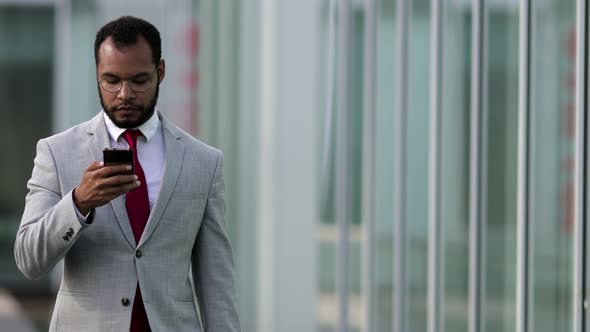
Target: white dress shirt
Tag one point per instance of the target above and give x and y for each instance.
(150, 151)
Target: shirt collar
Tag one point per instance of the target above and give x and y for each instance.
(148, 128)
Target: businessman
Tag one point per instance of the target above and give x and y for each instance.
(130, 241)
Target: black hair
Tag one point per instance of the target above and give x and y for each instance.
(125, 31)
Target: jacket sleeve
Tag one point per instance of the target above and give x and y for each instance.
(212, 263)
(49, 225)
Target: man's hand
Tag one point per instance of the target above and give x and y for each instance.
(100, 184)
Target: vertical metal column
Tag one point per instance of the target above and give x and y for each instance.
(477, 176)
(62, 58)
(580, 278)
(523, 231)
(343, 159)
(368, 176)
(435, 243)
(399, 179)
(266, 175)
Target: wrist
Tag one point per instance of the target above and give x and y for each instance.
(82, 208)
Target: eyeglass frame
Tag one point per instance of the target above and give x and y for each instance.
(129, 82)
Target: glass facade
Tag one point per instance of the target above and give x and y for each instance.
(552, 130)
(551, 194)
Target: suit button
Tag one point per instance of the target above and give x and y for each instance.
(125, 301)
(138, 254)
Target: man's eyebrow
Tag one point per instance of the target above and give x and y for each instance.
(111, 75)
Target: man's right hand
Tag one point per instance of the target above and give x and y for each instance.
(100, 184)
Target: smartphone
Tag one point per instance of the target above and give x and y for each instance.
(118, 157)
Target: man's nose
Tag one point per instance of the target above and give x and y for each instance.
(126, 92)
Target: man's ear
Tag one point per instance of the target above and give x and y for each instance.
(161, 70)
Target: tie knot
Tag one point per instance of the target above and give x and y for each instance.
(131, 137)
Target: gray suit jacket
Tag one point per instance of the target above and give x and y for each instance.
(185, 234)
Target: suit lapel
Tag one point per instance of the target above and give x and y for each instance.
(99, 139)
(174, 154)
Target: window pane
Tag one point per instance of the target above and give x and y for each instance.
(454, 191)
(327, 302)
(551, 164)
(383, 193)
(501, 99)
(26, 91)
(418, 126)
(356, 73)
(26, 64)
(328, 306)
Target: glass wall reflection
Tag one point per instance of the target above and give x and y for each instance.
(455, 117)
(26, 101)
(500, 100)
(328, 224)
(26, 104)
(417, 148)
(382, 286)
(551, 163)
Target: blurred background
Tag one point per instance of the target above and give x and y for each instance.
(391, 165)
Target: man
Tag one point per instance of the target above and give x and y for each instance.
(130, 241)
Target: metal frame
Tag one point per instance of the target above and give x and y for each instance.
(400, 174)
(343, 158)
(579, 304)
(478, 162)
(435, 245)
(368, 176)
(330, 72)
(266, 256)
(580, 278)
(523, 227)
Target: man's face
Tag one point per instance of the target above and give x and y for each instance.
(129, 65)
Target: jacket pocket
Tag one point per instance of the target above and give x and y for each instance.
(186, 316)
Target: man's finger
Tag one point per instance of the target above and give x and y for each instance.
(93, 166)
(129, 187)
(122, 189)
(118, 180)
(110, 170)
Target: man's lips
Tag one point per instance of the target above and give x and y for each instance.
(127, 108)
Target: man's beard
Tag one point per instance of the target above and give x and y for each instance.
(146, 112)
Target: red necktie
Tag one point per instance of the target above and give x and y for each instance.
(138, 210)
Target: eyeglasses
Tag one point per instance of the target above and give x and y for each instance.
(139, 84)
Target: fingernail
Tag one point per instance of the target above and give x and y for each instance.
(138, 183)
(101, 164)
(128, 167)
(135, 176)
